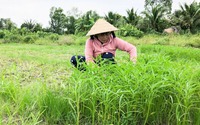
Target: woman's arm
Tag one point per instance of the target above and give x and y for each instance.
(89, 51)
(125, 46)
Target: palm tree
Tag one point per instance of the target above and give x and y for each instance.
(29, 24)
(155, 17)
(132, 17)
(167, 4)
(188, 17)
(32, 26)
(113, 18)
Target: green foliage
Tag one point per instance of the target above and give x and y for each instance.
(38, 85)
(53, 37)
(31, 26)
(130, 30)
(7, 24)
(23, 31)
(12, 38)
(163, 41)
(24, 35)
(84, 23)
(188, 17)
(132, 17)
(30, 39)
(2, 34)
(70, 26)
(54, 105)
(57, 20)
(80, 40)
(167, 4)
(113, 18)
(42, 34)
(154, 18)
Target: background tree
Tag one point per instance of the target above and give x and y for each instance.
(57, 20)
(37, 27)
(7, 24)
(114, 18)
(84, 23)
(70, 25)
(32, 26)
(72, 16)
(166, 4)
(155, 18)
(188, 17)
(132, 17)
(29, 24)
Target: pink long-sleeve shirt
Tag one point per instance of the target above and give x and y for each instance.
(94, 47)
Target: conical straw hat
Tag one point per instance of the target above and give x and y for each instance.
(101, 26)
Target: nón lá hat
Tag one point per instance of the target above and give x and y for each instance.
(101, 26)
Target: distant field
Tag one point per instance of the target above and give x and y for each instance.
(38, 85)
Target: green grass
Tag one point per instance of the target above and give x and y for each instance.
(38, 85)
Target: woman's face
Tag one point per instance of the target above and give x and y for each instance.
(104, 37)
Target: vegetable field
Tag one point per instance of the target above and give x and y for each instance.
(38, 85)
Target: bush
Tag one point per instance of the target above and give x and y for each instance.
(42, 34)
(29, 39)
(53, 37)
(130, 30)
(12, 38)
(23, 31)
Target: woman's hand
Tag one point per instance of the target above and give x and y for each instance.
(134, 60)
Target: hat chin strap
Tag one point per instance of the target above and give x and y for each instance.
(99, 40)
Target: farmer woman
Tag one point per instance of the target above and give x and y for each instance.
(103, 44)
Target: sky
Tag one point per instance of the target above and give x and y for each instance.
(20, 11)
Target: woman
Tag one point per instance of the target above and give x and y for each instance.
(103, 43)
